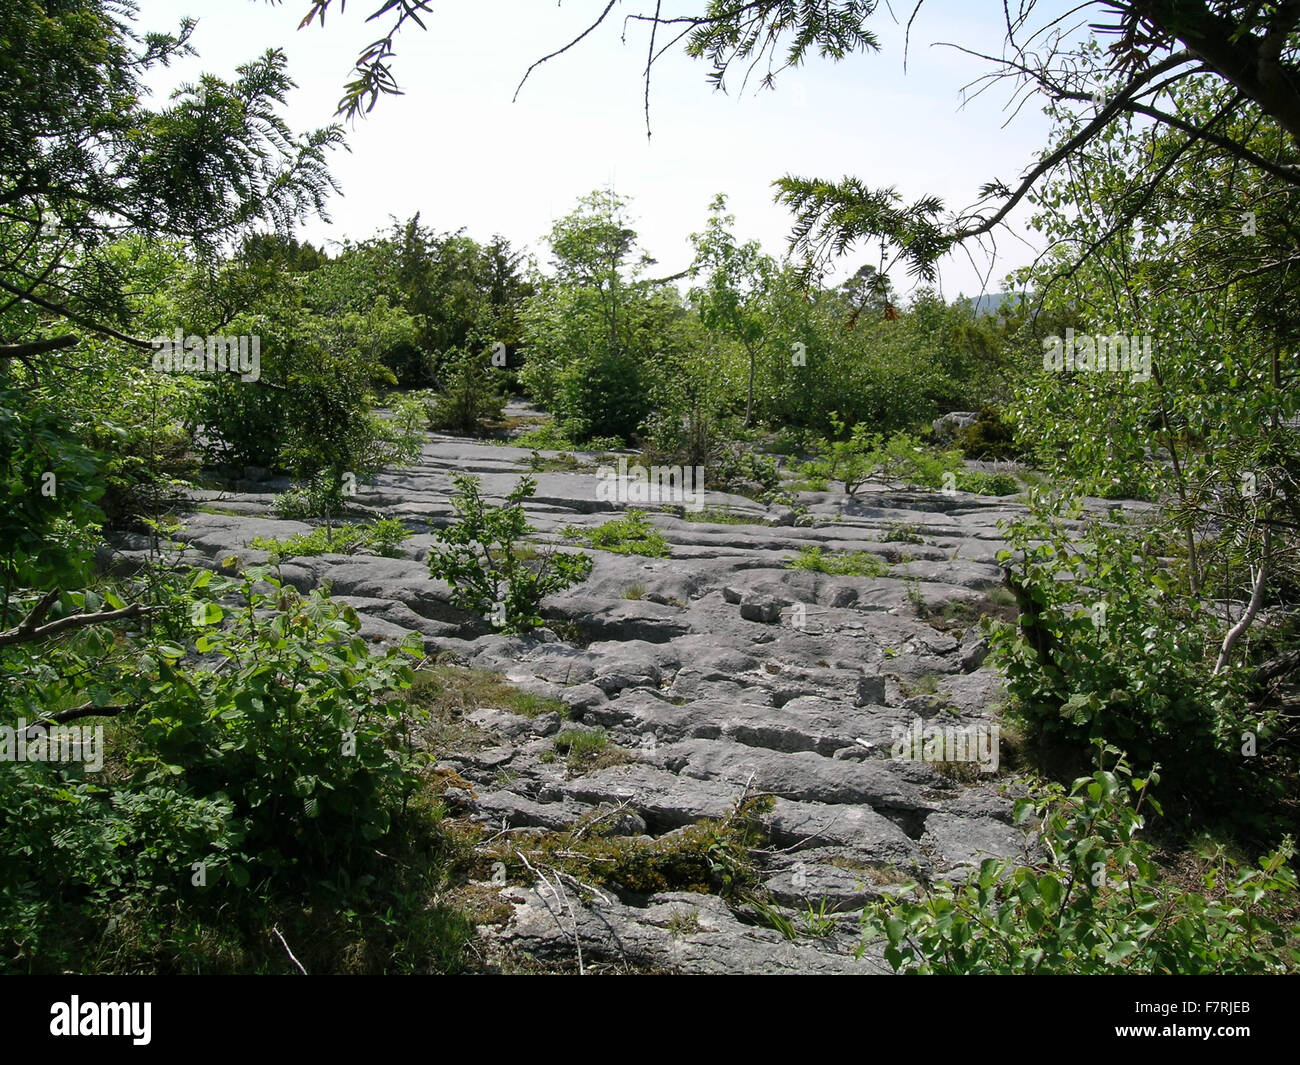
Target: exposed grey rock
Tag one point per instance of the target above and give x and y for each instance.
(969, 840)
(812, 884)
(761, 608)
(799, 775)
(870, 690)
(664, 800)
(491, 757)
(518, 811)
(673, 932)
(582, 697)
(547, 724)
(945, 428)
(725, 675)
(974, 651)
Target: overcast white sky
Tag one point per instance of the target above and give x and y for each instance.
(457, 150)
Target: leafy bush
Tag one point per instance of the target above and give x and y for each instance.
(471, 395)
(343, 447)
(987, 484)
(903, 532)
(309, 499)
(410, 416)
(1107, 649)
(50, 483)
(712, 516)
(739, 468)
(564, 462)
(546, 437)
(990, 436)
(603, 398)
(792, 440)
(292, 728)
(372, 444)
(1095, 904)
(865, 456)
(691, 437)
(485, 564)
(252, 788)
(239, 424)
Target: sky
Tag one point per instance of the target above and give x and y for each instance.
(456, 148)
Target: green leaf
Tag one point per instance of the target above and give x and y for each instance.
(206, 614)
(1119, 951)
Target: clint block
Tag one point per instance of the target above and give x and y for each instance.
(657, 484)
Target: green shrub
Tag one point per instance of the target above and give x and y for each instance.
(1107, 649)
(987, 484)
(792, 440)
(629, 535)
(603, 397)
(988, 437)
(240, 424)
(328, 465)
(564, 462)
(716, 516)
(1095, 904)
(264, 785)
(471, 395)
(902, 532)
(901, 461)
(308, 499)
(301, 742)
(482, 560)
(739, 468)
(546, 437)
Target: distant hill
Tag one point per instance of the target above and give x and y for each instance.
(993, 302)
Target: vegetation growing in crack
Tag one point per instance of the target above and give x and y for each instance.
(480, 556)
(630, 535)
(843, 564)
(383, 535)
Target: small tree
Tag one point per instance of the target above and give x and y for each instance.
(590, 332)
(482, 561)
(735, 297)
(471, 394)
